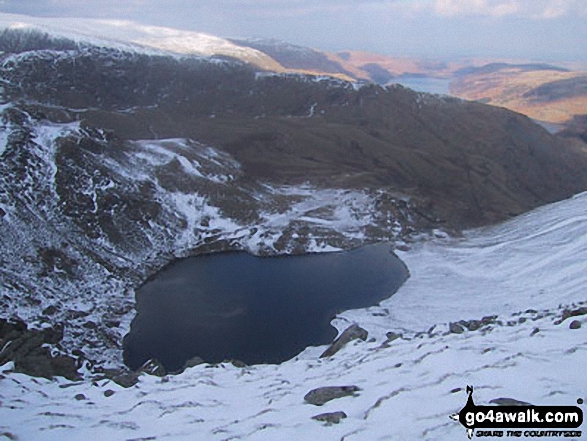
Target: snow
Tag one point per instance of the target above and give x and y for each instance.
(327, 212)
(134, 37)
(524, 271)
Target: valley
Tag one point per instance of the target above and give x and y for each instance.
(129, 149)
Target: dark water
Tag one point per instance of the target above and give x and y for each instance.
(254, 309)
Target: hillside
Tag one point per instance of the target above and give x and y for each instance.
(544, 93)
(513, 307)
(117, 161)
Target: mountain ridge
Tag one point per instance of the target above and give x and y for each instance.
(122, 162)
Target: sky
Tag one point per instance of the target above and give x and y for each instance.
(545, 30)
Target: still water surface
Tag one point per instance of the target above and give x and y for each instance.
(254, 309)
(439, 86)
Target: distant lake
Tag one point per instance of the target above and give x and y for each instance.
(254, 309)
(425, 84)
(551, 127)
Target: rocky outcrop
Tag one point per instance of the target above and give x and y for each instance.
(568, 313)
(31, 351)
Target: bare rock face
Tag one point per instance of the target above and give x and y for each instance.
(351, 333)
(30, 351)
(323, 395)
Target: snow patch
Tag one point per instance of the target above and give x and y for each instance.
(408, 387)
(134, 37)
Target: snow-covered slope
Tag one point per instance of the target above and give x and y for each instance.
(133, 37)
(527, 272)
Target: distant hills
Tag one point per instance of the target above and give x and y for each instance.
(547, 93)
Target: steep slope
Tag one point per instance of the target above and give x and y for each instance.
(116, 162)
(475, 163)
(525, 277)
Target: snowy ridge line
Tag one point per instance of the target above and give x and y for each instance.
(532, 351)
(128, 36)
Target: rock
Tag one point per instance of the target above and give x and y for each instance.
(323, 395)
(330, 417)
(351, 333)
(53, 335)
(50, 310)
(28, 349)
(455, 328)
(575, 324)
(108, 393)
(238, 363)
(574, 312)
(489, 319)
(567, 313)
(535, 331)
(194, 361)
(126, 379)
(80, 397)
(509, 402)
(473, 325)
(391, 336)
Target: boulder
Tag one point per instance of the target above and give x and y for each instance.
(322, 395)
(330, 417)
(575, 324)
(456, 328)
(351, 333)
(126, 379)
(509, 402)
